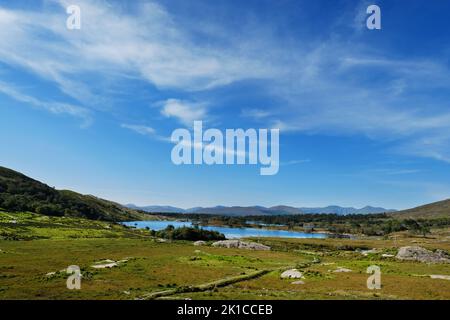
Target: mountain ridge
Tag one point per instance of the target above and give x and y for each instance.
(439, 209)
(260, 210)
(19, 192)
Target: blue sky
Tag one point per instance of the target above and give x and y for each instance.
(364, 115)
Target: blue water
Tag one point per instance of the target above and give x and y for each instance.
(230, 233)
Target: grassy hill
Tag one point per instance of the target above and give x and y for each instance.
(439, 209)
(21, 193)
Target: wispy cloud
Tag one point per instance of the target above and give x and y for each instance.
(256, 114)
(184, 111)
(141, 129)
(395, 172)
(147, 44)
(294, 162)
(50, 106)
(323, 86)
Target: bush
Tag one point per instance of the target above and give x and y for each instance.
(186, 233)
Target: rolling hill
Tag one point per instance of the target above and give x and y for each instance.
(440, 209)
(21, 193)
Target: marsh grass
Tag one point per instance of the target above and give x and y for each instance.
(51, 244)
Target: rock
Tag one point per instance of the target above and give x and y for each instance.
(50, 274)
(240, 245)
(367, 252)
(105, 265)
(439, 276)
(422, 255)
(292, 274)
(385, 255)
(122, 261)
(199, 243)
(298, 282)
(108, 263)
(340, 269)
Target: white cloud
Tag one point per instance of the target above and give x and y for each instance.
(256, 114)
(294, 162)
(141, 129)
(147, 44)
(186, 112)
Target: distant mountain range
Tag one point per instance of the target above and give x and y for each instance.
(261, 211)
(21, 193)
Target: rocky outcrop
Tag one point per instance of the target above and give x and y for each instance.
(422, 255)
(199, 243)
(240, 245)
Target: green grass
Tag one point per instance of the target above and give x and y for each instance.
(31, 226)
(51, 244)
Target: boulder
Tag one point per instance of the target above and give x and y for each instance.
(423, 255)
(199, 243)
(240, 245)
(292, 274)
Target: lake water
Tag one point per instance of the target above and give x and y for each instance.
(230, 233)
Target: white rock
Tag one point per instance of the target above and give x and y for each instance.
(292, 274)
(439, 276)
(366, 252)
(340, 269)
(104, 266)
(199, 243)
(422, 255)
(240, 245)
(298, 282)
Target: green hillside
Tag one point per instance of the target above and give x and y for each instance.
(439, 209)
(21, 193)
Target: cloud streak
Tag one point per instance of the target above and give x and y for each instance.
(52, 107)
(140, 129)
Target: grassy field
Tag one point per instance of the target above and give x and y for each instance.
(35, 246)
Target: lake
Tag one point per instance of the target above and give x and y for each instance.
(230, 233)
